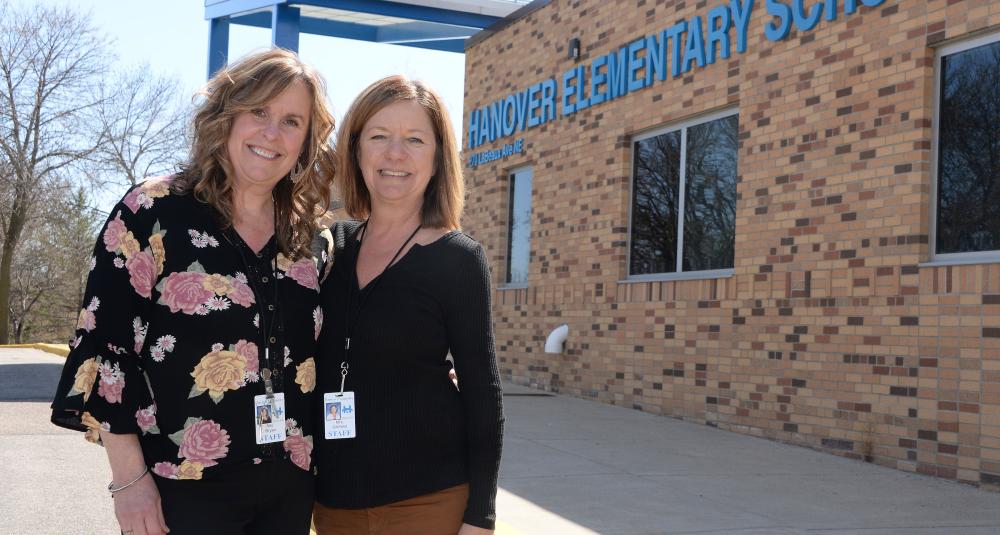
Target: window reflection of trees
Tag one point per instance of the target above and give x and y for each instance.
(969, 151)
(519, 237)
(654, 204)
(709, 199)
(710, 196)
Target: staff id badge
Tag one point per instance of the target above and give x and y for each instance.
(338, 415)
(269, 418)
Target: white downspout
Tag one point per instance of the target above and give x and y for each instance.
(554, 343)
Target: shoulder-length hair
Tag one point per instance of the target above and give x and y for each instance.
(243, 86)
(445, 194)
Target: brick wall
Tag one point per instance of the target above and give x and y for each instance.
(830, 334)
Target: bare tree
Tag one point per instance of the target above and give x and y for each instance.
(141, 127)
(50, 268)
(50, 61)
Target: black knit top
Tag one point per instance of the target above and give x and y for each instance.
(416, 433)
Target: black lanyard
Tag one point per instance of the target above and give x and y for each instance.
(266, 326)
(354, 313)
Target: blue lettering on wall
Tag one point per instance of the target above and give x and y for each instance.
(635, 62)
(473, 127)
(806, 19)
(496, 120)
(830, 10)
(850, 6)
(568, 91)
(522, 109)
(597, 79)
(548, 100)
(509, 115)
(582, 102)
(617, 69)
(741, 16)
(673, 33)
(803, 21)
(493, 155)
(656, 58)
(684, 46)
(719, 21)
(533, 104)
(778, 30)
(694, 50)
(484, 127)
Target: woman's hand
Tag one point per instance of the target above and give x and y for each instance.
(138, 509)
(467, 529)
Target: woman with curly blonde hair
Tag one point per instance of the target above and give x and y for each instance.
(201, 314)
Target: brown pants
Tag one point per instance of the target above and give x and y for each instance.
(437, 513)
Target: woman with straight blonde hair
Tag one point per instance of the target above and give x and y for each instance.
(194, 357)
(410, 452)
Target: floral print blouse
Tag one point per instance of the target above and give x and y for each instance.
(170, 342)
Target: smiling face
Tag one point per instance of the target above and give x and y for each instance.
(265, 142)
(396, 153)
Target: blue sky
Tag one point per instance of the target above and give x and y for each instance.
(172, 37)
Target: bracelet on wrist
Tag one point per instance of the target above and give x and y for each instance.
(114, 490)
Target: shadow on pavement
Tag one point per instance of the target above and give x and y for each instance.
(29, 382)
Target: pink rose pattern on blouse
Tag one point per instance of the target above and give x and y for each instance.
(167, 470)
(303, 271)
(87, 320)
(143, 265)
(146, 420)
(142, 272)
(248, 350)
(112, 383)
(298, 446)
(108, 369)
(196, 292)
(143, 196)
(202, 443)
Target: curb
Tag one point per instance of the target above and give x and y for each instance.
(56, 349)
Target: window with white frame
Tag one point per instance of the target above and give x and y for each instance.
(519, 227)
(683, 214)
(967, 217)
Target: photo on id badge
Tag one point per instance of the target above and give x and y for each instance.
(263, 415)
(339, 414)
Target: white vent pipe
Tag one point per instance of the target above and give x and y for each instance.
(554, 343)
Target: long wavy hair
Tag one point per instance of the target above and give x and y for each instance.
(240, 87)
(445, 194)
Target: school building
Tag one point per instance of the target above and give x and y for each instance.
(777, 217)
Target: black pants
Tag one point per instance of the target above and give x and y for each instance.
(267, 498)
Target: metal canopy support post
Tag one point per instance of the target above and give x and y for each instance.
(218, 44)
(285, 27)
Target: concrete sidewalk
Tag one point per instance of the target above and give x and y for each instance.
(573, 466)
(570, 467)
